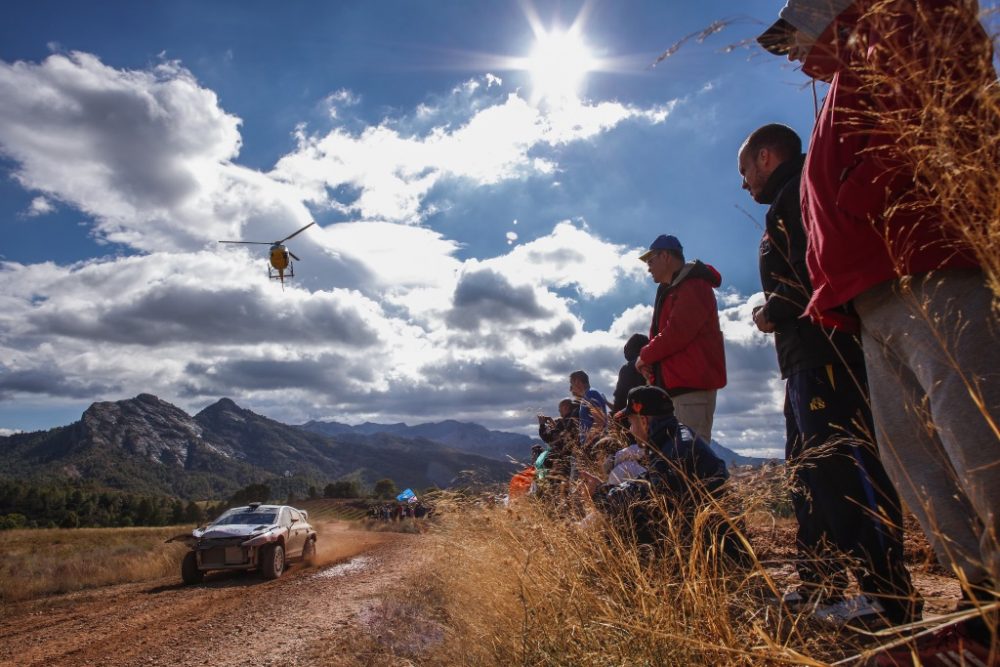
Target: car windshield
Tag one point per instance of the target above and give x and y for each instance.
(245, 518)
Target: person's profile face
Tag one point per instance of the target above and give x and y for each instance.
(637, 424)
(752, 171)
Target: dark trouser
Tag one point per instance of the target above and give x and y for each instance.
(845, 503)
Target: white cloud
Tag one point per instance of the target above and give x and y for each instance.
(39, 206)
(570, 256)
(382, 318)
(395, 171)
(138, 150)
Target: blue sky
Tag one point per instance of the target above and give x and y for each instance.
(477, 235)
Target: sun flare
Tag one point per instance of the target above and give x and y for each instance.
(558, 65)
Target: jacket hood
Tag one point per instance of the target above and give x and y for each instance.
(698, 269)
(635, 345)
(784, 172)
(831, 52)
(813, 17)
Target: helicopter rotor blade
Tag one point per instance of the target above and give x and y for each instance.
(298, 232)
(248, 242)
(293, 256)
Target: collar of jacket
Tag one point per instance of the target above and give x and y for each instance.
(662, 431)
(783, 173)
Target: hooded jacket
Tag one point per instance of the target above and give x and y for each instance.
(686, 350)
(800, 344)
(865, 222)
(628, 377)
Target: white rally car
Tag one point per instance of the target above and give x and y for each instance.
(264, 537)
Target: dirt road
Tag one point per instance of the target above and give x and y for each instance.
(231, 619)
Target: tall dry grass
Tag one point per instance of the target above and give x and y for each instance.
(34, 563)
(533, 585)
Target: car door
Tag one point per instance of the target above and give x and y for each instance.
(297, 532)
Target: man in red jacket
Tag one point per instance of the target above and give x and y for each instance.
(878, 242)
(685, 355)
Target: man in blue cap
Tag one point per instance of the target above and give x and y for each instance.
(685, 355)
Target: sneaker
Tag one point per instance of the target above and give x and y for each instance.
(799, 599)
(947, 647)
(859, 610)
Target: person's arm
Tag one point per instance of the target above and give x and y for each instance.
(693, 304)
(789, 297)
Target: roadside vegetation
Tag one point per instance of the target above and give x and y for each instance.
(36, 563)
(530, 584)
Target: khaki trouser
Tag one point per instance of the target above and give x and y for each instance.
(696, 410)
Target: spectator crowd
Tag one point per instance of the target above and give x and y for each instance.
(884, 326)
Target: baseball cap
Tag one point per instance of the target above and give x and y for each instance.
(662, 242)
(778, 38)
(648, 401)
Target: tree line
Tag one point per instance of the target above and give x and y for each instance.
(32, 505)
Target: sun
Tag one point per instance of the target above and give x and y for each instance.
(558, 65)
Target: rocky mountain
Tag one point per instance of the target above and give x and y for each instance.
(147, 445)
(464, 436)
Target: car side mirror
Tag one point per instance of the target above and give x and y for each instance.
(294, 520)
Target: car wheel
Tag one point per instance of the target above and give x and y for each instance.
(272, 561)
(189, 569)
(309, 552)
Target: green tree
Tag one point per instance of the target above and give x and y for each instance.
(71, 520)
(252, 493)
(345, 488)
(193, 513)
(385, 488)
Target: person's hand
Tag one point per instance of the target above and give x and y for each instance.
(760, 319)
(645, 369)
(590, 482)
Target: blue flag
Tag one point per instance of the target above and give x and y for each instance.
(406, 495)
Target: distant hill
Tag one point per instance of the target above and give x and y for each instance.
(146, 445)
(732, 458)
(477, 439)
(464, 436)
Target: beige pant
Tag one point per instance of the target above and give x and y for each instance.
(696, 410)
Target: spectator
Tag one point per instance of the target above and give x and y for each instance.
(628, 376)
(682, 473)
(877, 241)
(685, 355)
(843, 497)
(561, 436)
(593, 407)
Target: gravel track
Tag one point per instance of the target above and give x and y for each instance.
(231, 619)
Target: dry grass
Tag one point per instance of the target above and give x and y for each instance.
(34, 563)
(528, 585)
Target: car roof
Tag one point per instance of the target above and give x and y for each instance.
(262, 508)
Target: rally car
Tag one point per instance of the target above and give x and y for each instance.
(254, 537)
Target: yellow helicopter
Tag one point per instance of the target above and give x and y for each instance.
(278, 256)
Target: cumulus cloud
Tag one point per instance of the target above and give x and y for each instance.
(383, 319)
(134, 149)
(395, 171)
(39, 206)
(570, 256)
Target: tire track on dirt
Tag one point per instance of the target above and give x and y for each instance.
(232, 619)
